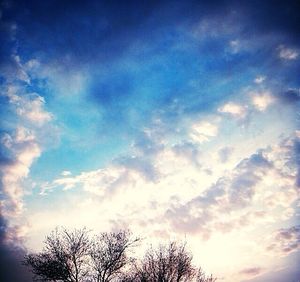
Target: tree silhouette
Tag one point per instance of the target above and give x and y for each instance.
(63, 258)
(167, 263)
(170, 263)
(108, 254)
(71, 256)
(201, 277)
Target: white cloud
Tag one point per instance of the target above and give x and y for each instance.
(241, 196)
(21, 73)
(189, 151)
(23, 144)
(24, 135)
(66, 173)
(287, 53)
(233, 109)
(25, 149)
(99, 182)
(29, 106)
(32, 109)
(261, 180)
(224, 212)
(226, 205)
(262, 100)
(203, 131)
(223, 206)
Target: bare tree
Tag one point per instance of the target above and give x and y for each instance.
(63, 258)
(73, 257)
(201, 277)
(172, 263)
(109, 254)
(167, 263)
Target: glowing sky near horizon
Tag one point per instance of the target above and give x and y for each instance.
(177, 119)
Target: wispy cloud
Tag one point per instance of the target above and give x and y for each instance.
(251, 272)
(259, 79)
(286, 53)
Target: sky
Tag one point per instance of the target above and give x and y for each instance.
(176, 119)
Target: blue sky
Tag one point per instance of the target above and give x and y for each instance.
(177, 118)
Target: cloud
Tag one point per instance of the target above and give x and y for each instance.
(141, 165)
(25, 149)
(285, 241)
(102, 182)
(232, 192)
(262, 100)
(182, 70)
(290, 96)
(21, 74)
(286, 53)
(235, 46)
(224, 153)
(229, 204)
(296, 148)
(34, 112)
(233, 109)
(29, 107)
(11, 255)
(66, 173)
(121, 172)
(291, 149)
(251, 272)
(23, 145)
(24, 122)
(259, 79)
(256, 192)
(189, 151)
(203, 131)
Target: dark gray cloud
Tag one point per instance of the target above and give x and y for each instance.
(11, 250)
(290, 96)
(11, 257)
